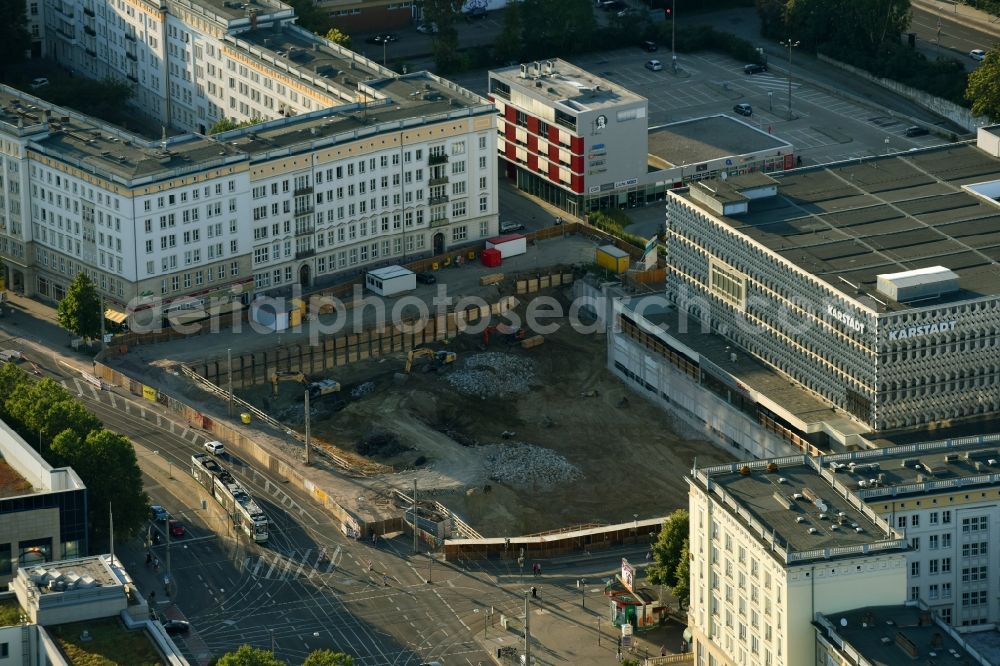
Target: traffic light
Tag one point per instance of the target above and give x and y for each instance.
(669, 12)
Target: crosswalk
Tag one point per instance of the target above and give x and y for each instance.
(295, 565)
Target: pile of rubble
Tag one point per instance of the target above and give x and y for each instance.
(493, 375)
(361, 390)
(522, 464)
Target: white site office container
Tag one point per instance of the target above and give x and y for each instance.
(509, 245)
(391, 280)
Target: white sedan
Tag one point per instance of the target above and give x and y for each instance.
(654, 65)
(977, 54)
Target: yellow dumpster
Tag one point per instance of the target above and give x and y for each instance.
(245, 417)
(612, 259)
(472, 255)
(435, 266)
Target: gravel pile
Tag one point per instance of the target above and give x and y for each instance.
(493, 375)
(361, 390)
(524, 464)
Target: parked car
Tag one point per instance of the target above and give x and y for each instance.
(428, 28)
(915, 130)
(41, 82)
(382, 38)
(215, 448)
(654, 65)
(649, 46)
(176, 527)
(754, 69)
(511, 227)
(159, 513)
(475, 13)
(613, 6)
(174, 627)
(426, 278)
(977, 54)
(743, 109)
(606, 4)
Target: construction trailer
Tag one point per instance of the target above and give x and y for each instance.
(391, 280)
(613, 259)
(509, 245)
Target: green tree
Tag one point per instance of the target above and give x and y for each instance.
(558, 27)
(311, 16)
(12, 379)
(668, 547)
(682, 577)
(107, 465)
(338, 37)
(983, 89)
(227, 124)
(79, 312)
(510, 42)
(14, 37)
(44, 409)
(865, 27)
(328, 658)
(249, 656)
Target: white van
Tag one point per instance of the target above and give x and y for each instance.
(215, 448)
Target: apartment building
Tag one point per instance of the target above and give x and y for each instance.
(350, 166)
(772, 544)
(43, 510)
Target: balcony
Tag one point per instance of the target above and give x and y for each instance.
(91, 52)
(440, 222)
(88, 11)
(90, 31)
(437, 159)
(434, 201)
(66, 33)
(66, 11)
(443, 180)
(299, 191)
(132, 77)
(305, 229)
(303, 210)
(130, 37)
(131, 56)
(302, 254)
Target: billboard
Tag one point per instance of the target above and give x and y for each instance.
(628, 575)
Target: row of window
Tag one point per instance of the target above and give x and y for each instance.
(197, 278)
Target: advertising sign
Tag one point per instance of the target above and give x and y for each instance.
(628, 575)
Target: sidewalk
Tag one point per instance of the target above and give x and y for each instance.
(962, 13)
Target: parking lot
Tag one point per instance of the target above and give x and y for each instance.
(824, 128)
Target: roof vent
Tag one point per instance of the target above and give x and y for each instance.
(917, 285)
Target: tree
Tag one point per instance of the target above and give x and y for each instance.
(107, 465)
(668, 547)
(249, 656)
(79, 312)
(337, 37)
(983, 89)
(227, 124)
(14, 37)
(44, 409)
(558, 27)
(12, 378)
(510, 42)
(328, 658)
(682, 577)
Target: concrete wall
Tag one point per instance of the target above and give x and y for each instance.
(953, 112)
(27, 526)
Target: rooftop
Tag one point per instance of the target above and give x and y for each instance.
(890, 635)
(12, 484)
(23, 471)
(572, 88)
(709, 138)
(83, 573)
(849, 222)
(230, 10)
(800, 509)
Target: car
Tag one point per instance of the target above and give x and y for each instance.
(176, 527)
(475, 13)
(743, 109)
(649, 46)
(628, 11)
(389, 37)
(426, 278)
(428, 28)
(382, 38)
(215, 448)
(754, 69)
(605, 4)
(175, 627)
(977, 54)
(40, 82)
(612, 6)
(654, 65)
(915, 130)
(159, 513)
(511, 227)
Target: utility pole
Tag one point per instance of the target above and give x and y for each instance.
(229, 368)
(308, 462)
(111, 532)
(430, 563)
(103, 346)
(527, 631)
(583, 593)
(166, 580)
(414, 516)
(598, 631)
(789, 44)
(673, 34)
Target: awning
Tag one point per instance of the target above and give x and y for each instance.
(115, 316)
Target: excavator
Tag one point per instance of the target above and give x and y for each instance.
(439, 357)
(316, 389)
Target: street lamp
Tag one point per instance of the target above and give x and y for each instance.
(789, 44)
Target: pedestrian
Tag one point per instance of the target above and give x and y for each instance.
(534, 592)
(156, 564)
(385, 581)
(369, 565)
(152, 597)
(149, 559)
(663, 651)
(684, 647)
(539, 569)
(619, 653)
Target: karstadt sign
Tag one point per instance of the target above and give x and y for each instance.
(923, 329)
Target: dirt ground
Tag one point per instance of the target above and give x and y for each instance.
(629, 451)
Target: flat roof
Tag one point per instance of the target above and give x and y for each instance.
(614, 251)
(232, 9)
(85, 572)
(567, 86)
(808, 518)
(389, 272)
(851, 221)
(709, 138)
(877, 633)
(12, 484)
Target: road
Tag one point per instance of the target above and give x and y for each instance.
(959, 30)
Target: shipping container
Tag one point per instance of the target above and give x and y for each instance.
(391, 280)
(613, 259)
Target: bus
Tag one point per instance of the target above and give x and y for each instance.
(228, 492)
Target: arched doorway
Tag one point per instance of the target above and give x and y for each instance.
(438, 243)
(304, 275)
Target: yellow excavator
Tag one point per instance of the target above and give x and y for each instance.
(316, 389)
(285, 377)
(439, 357)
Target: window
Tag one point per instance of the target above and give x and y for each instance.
(946, 540)
(932, 541)
(915, 592)
(933, 518)
(914, 569)
(915, 520)
(900, 521)
(946, 590)
(915, 543)
(933, 592)
(946, 565)
(459, 233)
(946, 517)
